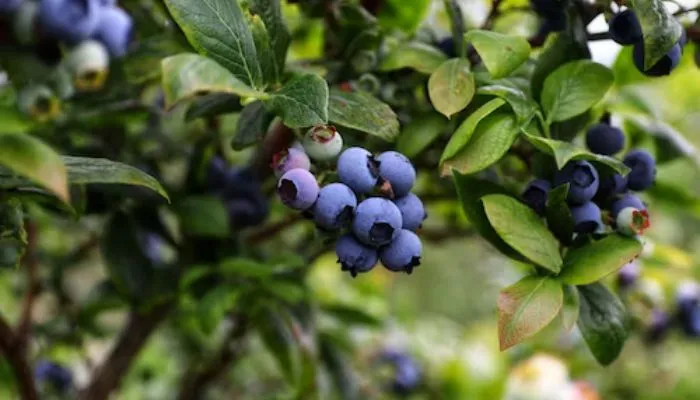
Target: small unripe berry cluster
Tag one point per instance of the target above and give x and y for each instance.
(625, 29)
(589, 192)
(372, 201)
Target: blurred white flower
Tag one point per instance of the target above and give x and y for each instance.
(542, 377)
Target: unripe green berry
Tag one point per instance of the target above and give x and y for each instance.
(39, 103)
(631, 221)
(24, 24)
(322, 143)
(89, 64)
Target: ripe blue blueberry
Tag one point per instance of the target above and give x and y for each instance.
(377, 221)
(322, 143)
(658, 326)
(403, 254)
(627, 200)
(643, 171)
(605, 139)
(407, 374)
(395, 168)
(290, 159)
(243, 197)
(114, 30)
(625, 28)
(632, 221)
(412, 211)
(354, 256)
(216, 173)
(69, 20)
(629, 274)
(587, 218)
(358, 169)
(447, 45)
(582, 178)
(610, 185)
(335, 206)
(535, 195)
(53, 374)
(662, 67)
(298, 189)
(9, 6)
(688, 302)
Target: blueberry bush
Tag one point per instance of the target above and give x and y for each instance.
(175, 176)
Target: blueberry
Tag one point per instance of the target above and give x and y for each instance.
(354, 256)
(9, 6)
(290, 159)
(625, 28)
(605, 139)
(88, 62)
(535, 195)
(547, 8)
(53, 374)
(412, 211)
(298, 189)
(447, 45)
(628, 275)
(322, 143)
(377, 221)
(216, 173)
(395, 168)
(583, 180)
(586, 218)
(643, 170)
(407, 374)
(403, 254)
(335, 206)
(153, 246)
(358, 169)
(114, 30)
(688, 303)
(627, 200)
(658, 326)
(610, 185)
(662, 67)
(632, 221)
(555, 22)
(243, 197)
(69, 20)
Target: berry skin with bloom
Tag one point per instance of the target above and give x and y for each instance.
(54, 374)
(7, 7)
(631, 221)
(298, 189)
(412, 211)
(535, 195)
(322, 143)
(625, 29)
(354, 256)
(358, 170)
(71, 21)
(377, 221)
(610, 185)
(627, 200)
(403, 254)
(628, 275)
(662, 67)
(395, 168)
(334, 207)
(582, 178)
(688, 303)
(407, 374)
(290, 159)
(643, 171)
(605, 139)
(587, 218)
(114, 30)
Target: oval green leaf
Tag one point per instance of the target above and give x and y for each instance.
(451, 86)
(526, 308)
(415, 55)
(595, 261)
(464, 132)
(501, 54)
(660, 28)
(204, 216)
(523, 106)
(418, 134)
(602, 322)
(363, 112)
(559, 218)
(570, 308)
(573, 88)
(520, 227)
(301, 102)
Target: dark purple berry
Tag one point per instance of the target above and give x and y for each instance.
(627, 200)
(643, 171)
(298, 189)
(334, 207)
(354, 256)
(605, 139)
(662, 67)
(377, 221)
(53, 374)
(610, 185)
(582, 178)
(587, 218)
(403, 253)
(535, 195)
(625, 29)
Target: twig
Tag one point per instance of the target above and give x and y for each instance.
(268, 231)
(31, 262)
(18, 362)
(197, 378)
(493, 14)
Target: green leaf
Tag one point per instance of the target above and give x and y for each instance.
(277, 338)
(559, 218)
(564, 152)
(252, 125)
(301, 102)
(271, 14)
(212, 105)
(660, 28)
(245, 267)
(570, 308)
(470, 190)
(463, 134)
(420, 133)
(526, 308)
(352, 316)
(363, 112)
(454, 11)
(13, 236)
(32, 159)
(596, 260)
(217, 29)
(214, 306)
(501, 54)
(520, 227)
(394, 14)
(491, 139)
(523, 106)
(574, 88)
(188, 75)
(13, 121)
(266, 56)
(289, 292)
(603, 322)
(204, 216)
(451, 86)
(415, 55)
(85, 170)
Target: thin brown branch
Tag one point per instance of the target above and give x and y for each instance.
(493, 14)
(18, 362)
(31, 266)
(197, 378)
(268, 231)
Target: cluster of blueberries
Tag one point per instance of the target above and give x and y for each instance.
(625, 29)
(589, 192)
(406, 374)
(373, 199)
(241, 192)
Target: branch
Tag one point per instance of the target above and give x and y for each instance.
(109, 374)
(271, 230)
(18, 362)
(31, 261)
(197, 378)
